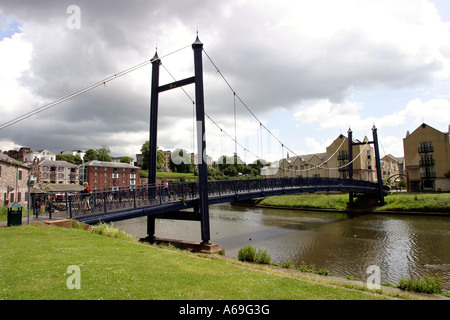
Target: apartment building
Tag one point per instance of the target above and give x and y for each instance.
(58, 172)
(363, 165)
(331, 164)
(19, 154)
(427, 159)
(308, 165)
(111, 175)
(392, 169)
(13, 181)
(40, 155)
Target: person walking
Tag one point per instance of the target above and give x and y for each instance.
(86, 194)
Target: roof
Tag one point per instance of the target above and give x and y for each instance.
(104, 164)
(57, 163)
(8, 160)
(396, 159)
(58, 187)
(421, 127)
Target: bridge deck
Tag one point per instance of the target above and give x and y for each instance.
(156, 201)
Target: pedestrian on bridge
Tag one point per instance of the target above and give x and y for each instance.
(86, 194)
(166, 189)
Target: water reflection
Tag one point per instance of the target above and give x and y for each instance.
(343, 244)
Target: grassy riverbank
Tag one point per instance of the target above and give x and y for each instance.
(35, 260)
(400, 201)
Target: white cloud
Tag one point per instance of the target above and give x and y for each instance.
(391, 145)
(348, 114)
(316, 146)
(334, 115)
(15, 56)
(431, 111)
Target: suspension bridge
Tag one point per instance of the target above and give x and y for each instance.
(154, 201)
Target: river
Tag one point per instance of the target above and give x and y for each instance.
(344, 244)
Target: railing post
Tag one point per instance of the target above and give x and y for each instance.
(104, 203)
(50, 207)
(70, 206)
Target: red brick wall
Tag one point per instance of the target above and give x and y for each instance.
(101, 178)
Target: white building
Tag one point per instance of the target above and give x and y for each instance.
(40, 155)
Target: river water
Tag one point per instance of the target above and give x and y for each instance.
(344, 244)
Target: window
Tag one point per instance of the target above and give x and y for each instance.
(115, 175)
(343, 155)
(425, 147)
(20, 175)
(426, 160)
(132, 175)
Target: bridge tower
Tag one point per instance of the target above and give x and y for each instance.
(197, 79)
(377, 162)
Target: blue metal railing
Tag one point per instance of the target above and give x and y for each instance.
(102, 202)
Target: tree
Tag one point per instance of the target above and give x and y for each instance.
(90, 155)
(69, 158)
(125, 160)
(180, 161)
(103, 154)
(145, 150)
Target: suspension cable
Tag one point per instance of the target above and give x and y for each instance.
(244, 104)
(81, 91)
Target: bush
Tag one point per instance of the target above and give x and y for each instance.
(262, 257)
(429, 284)
(288, 265)
(247, 254)
(108, 229)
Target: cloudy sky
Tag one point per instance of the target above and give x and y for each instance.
(308, 70)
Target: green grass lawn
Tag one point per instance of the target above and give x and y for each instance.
(34, 261)
(435, 202)
(320, 201)
(398, 201)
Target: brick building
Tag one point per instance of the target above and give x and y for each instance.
(13, 181)
(111, 175)
(59, 172)
(19, 154)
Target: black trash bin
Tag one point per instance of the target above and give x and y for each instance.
(14, 215)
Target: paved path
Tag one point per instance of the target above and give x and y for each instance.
(41, 218)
